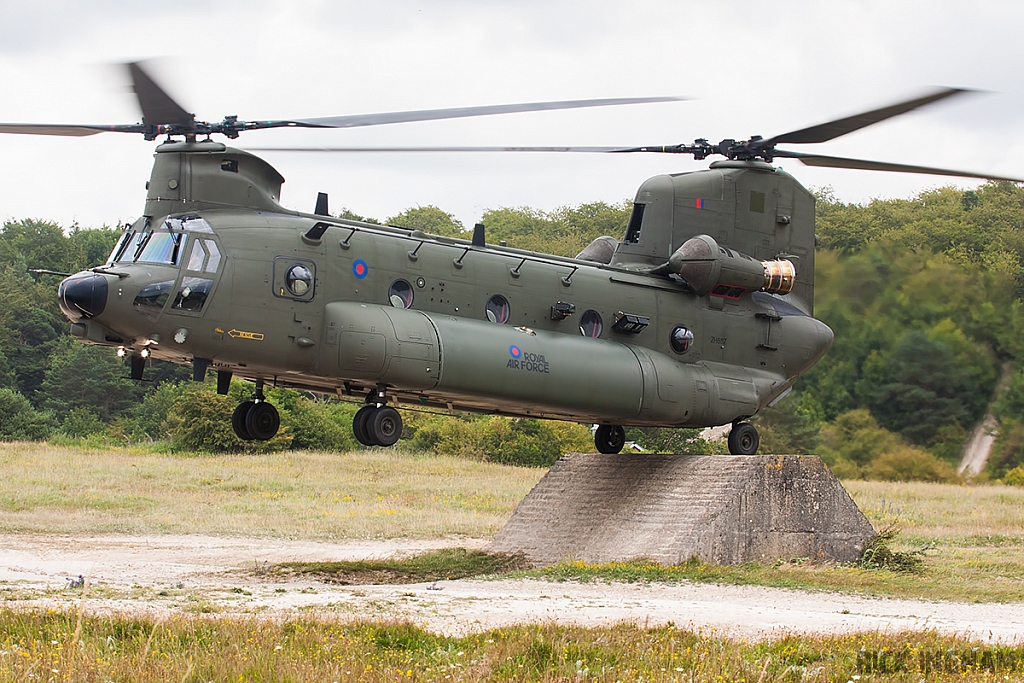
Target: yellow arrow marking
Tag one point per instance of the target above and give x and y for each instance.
(238, 334)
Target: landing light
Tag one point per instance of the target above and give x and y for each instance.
(144, 353)
(121, 353)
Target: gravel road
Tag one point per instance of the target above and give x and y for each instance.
(164, 575)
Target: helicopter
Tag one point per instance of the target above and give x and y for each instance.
(700, 315)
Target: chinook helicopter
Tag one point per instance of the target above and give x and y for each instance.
(701, 315)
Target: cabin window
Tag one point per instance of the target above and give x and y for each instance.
(294, 278)
(400, 294)
(681, 339)
(591, 324)
(635, 219)
(498, 310)
(299, 280)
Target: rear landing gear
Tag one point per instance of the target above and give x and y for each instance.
(609, 439)
(743, 439)
(256, 420)
(377, 424)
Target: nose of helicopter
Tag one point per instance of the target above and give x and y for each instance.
(83, 295)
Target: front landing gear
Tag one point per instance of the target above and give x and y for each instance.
(609, 439)
(377, 424)
(256, 420)
(743, 439)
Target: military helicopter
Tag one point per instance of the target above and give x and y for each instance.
(701, 315)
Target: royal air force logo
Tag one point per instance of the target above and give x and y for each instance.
(527, 362)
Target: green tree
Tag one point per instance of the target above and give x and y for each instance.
(87, 377)
(923, 386)
(429, 219)
(19, 420)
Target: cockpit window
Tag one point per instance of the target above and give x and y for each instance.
(151, 298)
(188, 223)
(192, 294)
(119, 248)
(162, 247)
(133, 247)
(211, 265)
(195, 260)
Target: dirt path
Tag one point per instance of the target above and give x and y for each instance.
(976, 451)
(195, 574)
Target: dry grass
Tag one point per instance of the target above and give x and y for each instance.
(366, 494)
(963, 516)
(40, 646)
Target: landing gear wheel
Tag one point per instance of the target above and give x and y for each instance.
(359, 425)
(609, 439)
(238, 420)
(384, 426)
(262, 421)
(743, 439)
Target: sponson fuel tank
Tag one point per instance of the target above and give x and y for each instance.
(525, 370)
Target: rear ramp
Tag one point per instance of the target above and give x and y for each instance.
(671, 508)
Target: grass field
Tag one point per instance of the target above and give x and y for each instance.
(365, 494)
(973, 536)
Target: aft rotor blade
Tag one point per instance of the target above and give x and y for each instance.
(442, 149)
(824, 132)
(158, 108)
(865, 165)
(358, 120)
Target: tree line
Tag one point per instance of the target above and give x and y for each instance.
(925, 296)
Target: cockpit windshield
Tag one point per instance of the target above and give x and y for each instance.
(162, 247)
(165, 245)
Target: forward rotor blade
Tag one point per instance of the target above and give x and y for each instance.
(440, 149)
(824, 132)
(865, 165)
(52, 129)
(158, 108)
(358, 120)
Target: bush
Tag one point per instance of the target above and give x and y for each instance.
(317, 424)
(510, 441)
(666, 440)
(200, 420)
(906, 463)
(19, 421)
(81, 422)
(1015, 477)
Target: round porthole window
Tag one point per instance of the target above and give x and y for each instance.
(590, 324)
(498, 310)
(400, 294)
(681, 339)
(299, 280)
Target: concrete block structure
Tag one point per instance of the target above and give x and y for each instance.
(671, 508)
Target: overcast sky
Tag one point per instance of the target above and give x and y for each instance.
(751, 67)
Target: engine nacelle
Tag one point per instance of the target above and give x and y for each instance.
(712, 269)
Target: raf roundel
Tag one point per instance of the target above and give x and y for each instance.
(360, 269)
(515, 352)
